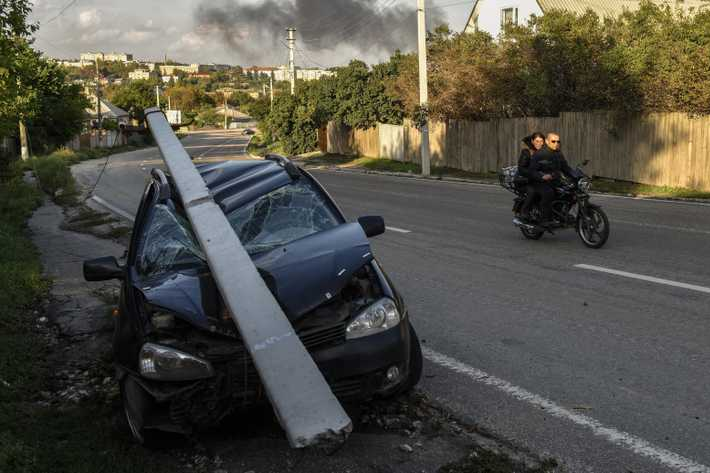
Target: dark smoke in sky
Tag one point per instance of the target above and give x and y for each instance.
(369, 28)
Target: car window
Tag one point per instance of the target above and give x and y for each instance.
(169, 244)
(286, 214)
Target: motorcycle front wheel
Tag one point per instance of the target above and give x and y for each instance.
(593, 230)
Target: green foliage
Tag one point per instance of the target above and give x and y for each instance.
(54, 174)
(133, 96)
(356, 96)
(208, 117)
(189, 98)
(258, 109)
(651, 59)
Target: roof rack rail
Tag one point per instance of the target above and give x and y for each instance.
(287, 164)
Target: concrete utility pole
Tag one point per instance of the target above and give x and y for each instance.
(291, 61)
(303, 402)
(225, 110)
(24, 148)
(423, 87)
(98, 100)
(271, 91)
(157, 96)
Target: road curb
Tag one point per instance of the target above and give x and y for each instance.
(460, 180)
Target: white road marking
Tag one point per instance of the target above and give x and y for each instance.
(617, 437)
(641, 277)
(662, 227)
(398, 230)
(112, 208)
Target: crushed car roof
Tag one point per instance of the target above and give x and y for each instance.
(233, 183)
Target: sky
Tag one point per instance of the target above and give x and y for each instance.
(245, 32)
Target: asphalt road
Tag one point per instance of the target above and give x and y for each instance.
(606, 372)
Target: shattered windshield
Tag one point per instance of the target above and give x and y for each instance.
(286, 214)
(169, 244)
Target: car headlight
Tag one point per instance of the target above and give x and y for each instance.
(169, 364)
(584, 184)
(378, 317)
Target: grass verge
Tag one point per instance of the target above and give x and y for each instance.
(609, 186)
(259, 147)
(38, 437)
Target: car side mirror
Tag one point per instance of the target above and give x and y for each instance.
(372, 225)
(102, 269)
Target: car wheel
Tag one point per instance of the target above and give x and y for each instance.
(416, 363)
(136, 404)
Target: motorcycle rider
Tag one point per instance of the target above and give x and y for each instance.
(533, 144)
(546, 169)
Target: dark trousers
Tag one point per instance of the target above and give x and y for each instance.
(547, 195)
(530, 196)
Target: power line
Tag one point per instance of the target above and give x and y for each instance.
(360, 22)
(61, 12)
(446, 5)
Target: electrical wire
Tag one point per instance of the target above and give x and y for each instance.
(354, 25)
(61, 12)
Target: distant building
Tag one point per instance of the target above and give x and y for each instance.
(68, 62)
(108, 110)
(171, 69)
(491, 16)
(167, 79)
(174, 116)
(139, 74)
(259, 71)
(92, 57)
(282, 73)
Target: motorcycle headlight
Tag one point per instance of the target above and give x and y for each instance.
(168, 364)
(584, 184)
(378, 317)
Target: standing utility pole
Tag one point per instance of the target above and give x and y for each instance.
(157, 96)
(271, 90)
(225, 110)
(423, 88)
(98, 100)
(291, 61)
(25, 149)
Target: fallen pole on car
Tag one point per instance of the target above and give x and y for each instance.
(303, 402)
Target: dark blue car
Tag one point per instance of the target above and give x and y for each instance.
(181, 362)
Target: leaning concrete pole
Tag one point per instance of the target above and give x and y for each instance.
(304, 404)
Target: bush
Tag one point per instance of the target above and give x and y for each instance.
(54, 175)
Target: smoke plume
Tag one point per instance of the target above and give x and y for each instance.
(333, 31)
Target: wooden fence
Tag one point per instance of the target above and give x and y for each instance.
(664, 149)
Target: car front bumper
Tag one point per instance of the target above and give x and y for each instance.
(356, 370)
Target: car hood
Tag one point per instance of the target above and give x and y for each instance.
(302, 275)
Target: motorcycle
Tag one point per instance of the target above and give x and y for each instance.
(570, 208)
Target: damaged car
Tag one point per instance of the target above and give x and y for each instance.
(180, 360)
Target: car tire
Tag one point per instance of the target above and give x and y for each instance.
(136, 404)
(416, 364)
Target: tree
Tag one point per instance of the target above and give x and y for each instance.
(137, 95)
(15, 100)
(189, 98)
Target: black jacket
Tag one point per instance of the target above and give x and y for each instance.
(524, 163)
(547, 161)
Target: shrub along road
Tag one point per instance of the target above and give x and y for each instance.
(606, 371)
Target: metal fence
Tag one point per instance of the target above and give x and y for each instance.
(664, 149)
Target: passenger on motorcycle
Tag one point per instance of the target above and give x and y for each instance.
(546, 169)
(533, 144)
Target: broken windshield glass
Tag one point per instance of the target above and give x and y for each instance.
(286, 214)
(169, 244)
